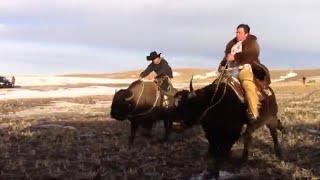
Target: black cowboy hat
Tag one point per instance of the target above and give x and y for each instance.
(153, 55)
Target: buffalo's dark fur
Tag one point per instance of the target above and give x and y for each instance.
(125, 108)
(224, 122)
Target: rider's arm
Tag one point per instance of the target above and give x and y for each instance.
(147, 71)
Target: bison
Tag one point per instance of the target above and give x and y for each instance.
(221, 111)
(142, 104)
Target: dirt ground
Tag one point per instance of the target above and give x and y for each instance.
(75, 138)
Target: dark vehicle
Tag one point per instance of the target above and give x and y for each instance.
(5, 83)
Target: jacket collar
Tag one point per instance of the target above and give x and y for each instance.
(249, 38)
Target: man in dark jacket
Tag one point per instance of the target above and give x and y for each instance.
(158, 67)
(160, 71)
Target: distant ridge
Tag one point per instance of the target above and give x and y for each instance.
(185, 73)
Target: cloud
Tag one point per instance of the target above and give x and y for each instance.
(177, 26)
(55, 58)
(183, 29)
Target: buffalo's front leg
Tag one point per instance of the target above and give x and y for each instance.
(147, 126)
(214, 165)
(247, 144)
(134, 127)
(167, 126)
(277, 147)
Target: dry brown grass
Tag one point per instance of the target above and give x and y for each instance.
(186, 73)
(96, 146)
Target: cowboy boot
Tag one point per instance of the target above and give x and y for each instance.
(251, 95)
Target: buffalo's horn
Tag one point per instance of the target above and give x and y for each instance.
(129, 98)
(192, 94)
(191, 87)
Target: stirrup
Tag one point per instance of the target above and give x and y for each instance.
(165, 102)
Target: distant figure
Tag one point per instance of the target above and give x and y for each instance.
(304, 80)
(13, 81)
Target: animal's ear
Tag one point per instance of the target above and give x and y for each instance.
(129, 95)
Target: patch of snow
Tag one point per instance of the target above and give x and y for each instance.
(290, 74)
(207, 75)
(61, 92)
(175, 74)
(57, 80)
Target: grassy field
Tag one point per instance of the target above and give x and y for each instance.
(86, 143)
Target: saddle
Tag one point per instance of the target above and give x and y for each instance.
(165, 85)
(263, 90)
(166, 89)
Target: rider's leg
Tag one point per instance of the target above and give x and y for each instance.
(246, 79)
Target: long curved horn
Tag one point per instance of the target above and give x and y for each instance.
(129, 98)
(191, 87)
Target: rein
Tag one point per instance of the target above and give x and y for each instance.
(219, 82)
(215, 93)
(212, 106)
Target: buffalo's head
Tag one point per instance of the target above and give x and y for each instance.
(122, 104)
(186, 106)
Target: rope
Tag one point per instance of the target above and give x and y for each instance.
(149, 110)
(139, 97)
(219, 81)
(212, 106)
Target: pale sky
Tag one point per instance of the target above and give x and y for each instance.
(61, 36)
